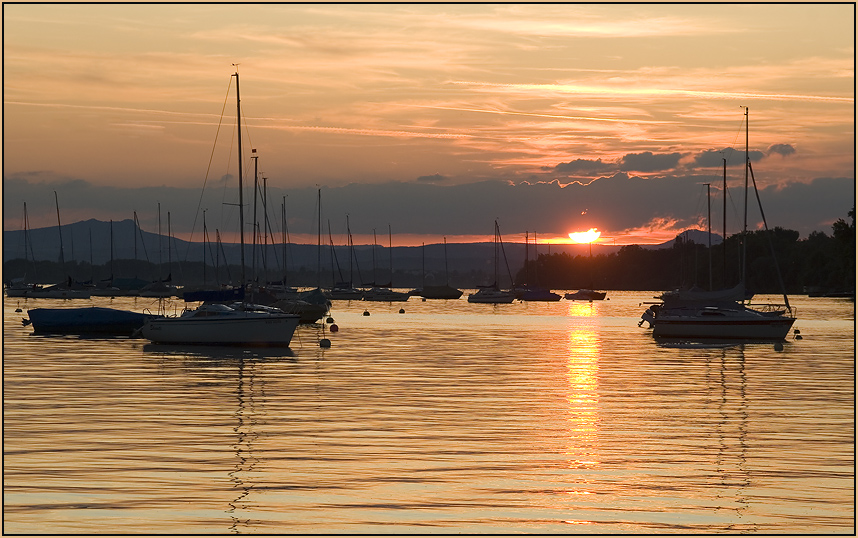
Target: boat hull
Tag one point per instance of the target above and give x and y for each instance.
(91, 320)
(59, 294)
(440, 292)
(250, 330)
(539, 295)
(586, 295)
(344, 294)
(309, 313)
(385, 295)
(495, 297)
(17, 292)
(740, 329)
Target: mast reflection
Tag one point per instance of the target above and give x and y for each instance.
(246, 435)
(728, 393)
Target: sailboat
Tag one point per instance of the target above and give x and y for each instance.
(492, 293)
(20, 287)
(721, 314)
(586, 294)
(438, 292)
(63, 290)
(219, 324)
(384, 293)
(536, 292)
(345, 290)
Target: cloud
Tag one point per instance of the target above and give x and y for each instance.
(582, 166)
(714, 157)
(781, 149)
(613, 204)
(649, 162)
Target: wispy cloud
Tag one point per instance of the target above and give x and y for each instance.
(536, 114)
(608, 91)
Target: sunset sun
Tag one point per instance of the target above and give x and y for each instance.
(585, 237)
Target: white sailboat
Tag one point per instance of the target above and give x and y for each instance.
(723, 314)
(219, 324)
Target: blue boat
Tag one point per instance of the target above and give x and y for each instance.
(89, 320)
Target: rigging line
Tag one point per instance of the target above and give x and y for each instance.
(698, 211)
(273, 243)
(246, 130)
(208, 169)
(27, 241)
(225, 186)
(733, 205)
(735, 139)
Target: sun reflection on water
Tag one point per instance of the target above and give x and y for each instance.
(582, 309)
(582, 368)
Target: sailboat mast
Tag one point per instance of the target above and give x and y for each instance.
(111, 251)
(169, 246)
(27, 237)
(724, 217)
(446, 268)
(351, 252)
(136, 227)
(709, 221)
(205, 243)
(526, 259)
(255, 222)
(266, 225)
(240, 186)
(745, 226)
(91, 265)
(283, 218)
(319, 246)
(390, 242)
(25, 232)
(497, 273)
(160, 247)
(535, 261)
(60, 230)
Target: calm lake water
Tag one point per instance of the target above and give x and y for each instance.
(449, 418)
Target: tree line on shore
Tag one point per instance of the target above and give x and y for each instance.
(819, 263)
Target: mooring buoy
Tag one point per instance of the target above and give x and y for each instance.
(324, 342)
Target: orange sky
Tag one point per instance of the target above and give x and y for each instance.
(117, 107)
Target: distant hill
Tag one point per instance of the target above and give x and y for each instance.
(89, 240)
(694, 236)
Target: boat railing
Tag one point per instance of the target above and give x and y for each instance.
(771, 308)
